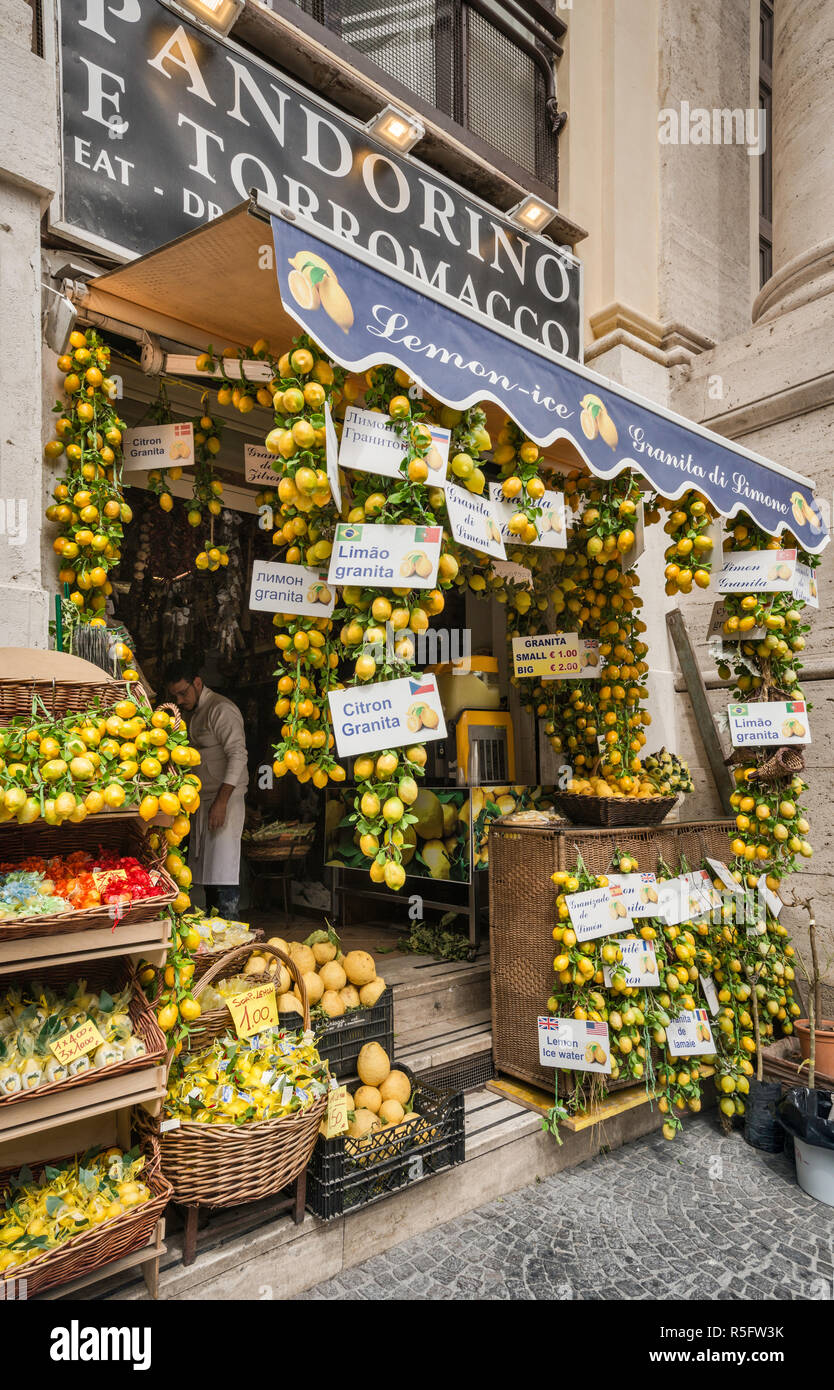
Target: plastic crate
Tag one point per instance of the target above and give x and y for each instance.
(340, 1040)
(346, 1174)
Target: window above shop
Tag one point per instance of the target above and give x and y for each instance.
(488, 65)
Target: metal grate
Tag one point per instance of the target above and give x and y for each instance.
(488, 760)
(399, 35)
(505, 94)
(467, 1074)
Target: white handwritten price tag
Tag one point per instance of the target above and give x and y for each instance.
(598, 912)
(639, 965)
(639, 893)
(689, 1035)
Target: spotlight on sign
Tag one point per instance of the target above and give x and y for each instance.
(217, 16)
(396, 128)
(532, 214)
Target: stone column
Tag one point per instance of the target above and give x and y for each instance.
(803, 157)
(28, 178)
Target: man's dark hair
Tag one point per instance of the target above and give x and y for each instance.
(181, 670)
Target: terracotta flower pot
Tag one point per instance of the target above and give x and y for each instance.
(824, 1059)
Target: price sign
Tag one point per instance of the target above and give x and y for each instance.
(84, 1038)
(336, 1120)
(598, 912)
(254, 1010)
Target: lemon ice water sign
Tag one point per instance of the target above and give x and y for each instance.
(280, 588)
(599, 912)
(762, 724)
(387, 557)
(474, 522)
(690, 1035)
(390, 714)
(369, 446)
(556, 656)
(578, 1044)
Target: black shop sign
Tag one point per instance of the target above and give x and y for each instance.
(164, 127)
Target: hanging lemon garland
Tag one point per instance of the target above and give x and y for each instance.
(89, 505)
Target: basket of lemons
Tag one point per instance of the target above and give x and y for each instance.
(241, 1116)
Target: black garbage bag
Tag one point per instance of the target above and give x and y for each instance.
(808, 1115)
(762, 1128)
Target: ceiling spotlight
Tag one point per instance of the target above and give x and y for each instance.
(532, 214)
(396, 128)
(217, 16)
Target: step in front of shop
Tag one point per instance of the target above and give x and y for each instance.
(246, 1255)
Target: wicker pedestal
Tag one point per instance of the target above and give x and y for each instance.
(522, 914)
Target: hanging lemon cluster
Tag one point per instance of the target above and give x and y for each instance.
(689, 554)
(380, 633)
(765, 635)
(304, 381)
(600, 722)
(208, 490)
(89, 505)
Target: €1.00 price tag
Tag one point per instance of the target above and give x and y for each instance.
(84, 1038)
(254, 1010)
(336, 1118)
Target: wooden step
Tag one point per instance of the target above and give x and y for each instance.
(429, 992)
(439, 1042)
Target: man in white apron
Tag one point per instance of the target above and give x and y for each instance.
(215, 728)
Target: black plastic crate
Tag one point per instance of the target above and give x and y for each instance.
(340, 1040)
(346, 1174)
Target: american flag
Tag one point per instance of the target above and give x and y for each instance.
(598, 1030)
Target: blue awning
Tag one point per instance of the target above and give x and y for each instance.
(364, 311)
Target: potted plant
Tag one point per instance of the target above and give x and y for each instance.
(815, 1033)
(807, 1112)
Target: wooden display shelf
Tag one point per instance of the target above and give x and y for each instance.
(28, 1117)
(148, 940)
(147, 1257)
(531, 1098)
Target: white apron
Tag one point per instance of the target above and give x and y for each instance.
(216, 730)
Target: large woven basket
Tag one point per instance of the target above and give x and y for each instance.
(109, 1241)
(522, 914)
(123, 835)
(61, 697)
(98, 974)
(226, 1165)
(613, 810)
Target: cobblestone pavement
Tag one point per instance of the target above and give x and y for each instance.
(703, 1217)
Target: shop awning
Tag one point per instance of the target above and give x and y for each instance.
(217, 285)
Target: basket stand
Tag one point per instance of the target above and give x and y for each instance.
(293, 1204)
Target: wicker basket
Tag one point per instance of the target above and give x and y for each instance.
(123, 835)
(215, 1022)
(98, 974)
(523, 914)
(226, 1165)
(204, 960)
(288, 844)
(613, 810)
(82, 1254)
(61, 697)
